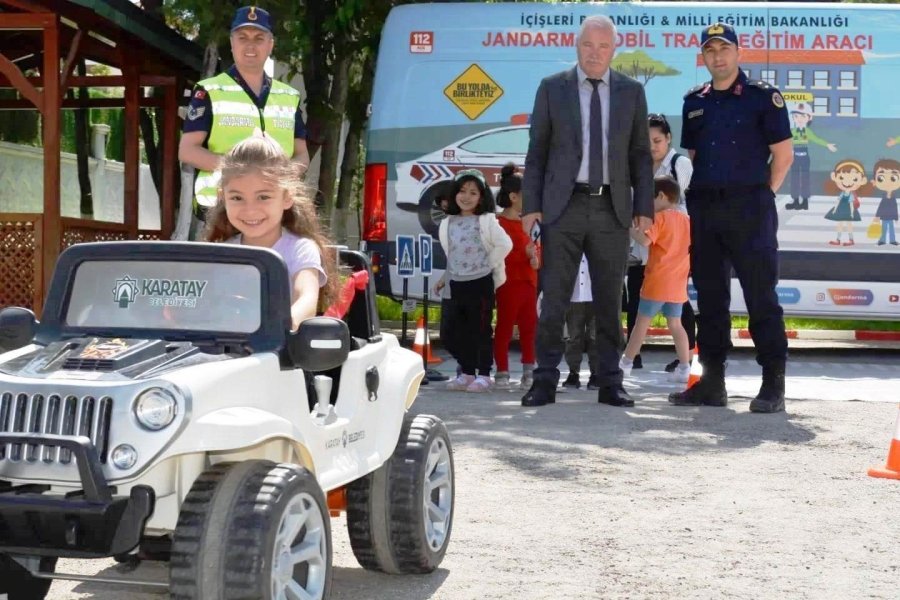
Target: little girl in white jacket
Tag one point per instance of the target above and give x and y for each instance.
(476, 247)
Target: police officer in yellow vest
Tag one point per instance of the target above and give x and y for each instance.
(227, 108)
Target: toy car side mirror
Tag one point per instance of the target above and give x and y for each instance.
(17, 328)
(319, 344)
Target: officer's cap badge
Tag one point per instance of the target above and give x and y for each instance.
(715, 30)
(251, 16)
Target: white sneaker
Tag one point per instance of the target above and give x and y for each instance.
(461, 382)
(501, 379)
(527, 379)
(482, 383)
(626, 366)
(682, 373)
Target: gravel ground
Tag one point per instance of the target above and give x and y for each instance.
(580, 500)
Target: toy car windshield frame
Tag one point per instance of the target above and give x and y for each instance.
(274, 318)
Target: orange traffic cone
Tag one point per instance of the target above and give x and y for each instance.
(696, 369)
(422, 343)
(891, 469)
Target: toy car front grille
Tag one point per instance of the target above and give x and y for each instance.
(56, 414)
(88, 364)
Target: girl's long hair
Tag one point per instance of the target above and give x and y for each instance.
(485, 205)
(510, 182)
(261, 156)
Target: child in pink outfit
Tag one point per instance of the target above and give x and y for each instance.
(665, 279)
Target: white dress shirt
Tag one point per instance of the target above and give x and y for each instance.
(582, 291)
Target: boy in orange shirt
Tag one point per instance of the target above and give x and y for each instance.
(665, 278)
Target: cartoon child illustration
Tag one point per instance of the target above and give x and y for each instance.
(848, 179)
(802, 115)
(886, 178)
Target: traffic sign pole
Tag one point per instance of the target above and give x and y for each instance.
(403, 306)
(425, 268)
(425, 264)
(406, 268)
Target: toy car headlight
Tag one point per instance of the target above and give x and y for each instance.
(155, 408)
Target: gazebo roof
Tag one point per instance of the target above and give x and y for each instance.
(115, 25)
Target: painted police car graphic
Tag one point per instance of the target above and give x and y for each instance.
(422, 180)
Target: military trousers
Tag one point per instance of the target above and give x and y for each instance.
(736, 227)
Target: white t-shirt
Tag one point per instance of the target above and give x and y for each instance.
(684, 169)
(299, 253)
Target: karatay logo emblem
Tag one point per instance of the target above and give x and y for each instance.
(126, 291)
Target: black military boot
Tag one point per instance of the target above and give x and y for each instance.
(709, 391)
(770, 398)
(794, 205)
(804, 205)
(542, 392)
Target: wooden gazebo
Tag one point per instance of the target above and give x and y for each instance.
(52, 36)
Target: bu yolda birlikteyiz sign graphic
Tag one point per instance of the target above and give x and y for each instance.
(473, 92)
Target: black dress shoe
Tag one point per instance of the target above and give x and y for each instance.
(572, 381)
(541, 393)
(594, 383)
(614, 396)
(638, 362)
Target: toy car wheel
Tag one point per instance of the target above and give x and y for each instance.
(239, 517)
(399, 517)
(19, 584)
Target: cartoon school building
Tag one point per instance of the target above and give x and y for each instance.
(829, 80)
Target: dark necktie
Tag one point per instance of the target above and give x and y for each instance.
(595, 155)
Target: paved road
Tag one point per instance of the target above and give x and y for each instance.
(580, 500)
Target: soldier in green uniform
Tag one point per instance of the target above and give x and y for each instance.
(802, 137)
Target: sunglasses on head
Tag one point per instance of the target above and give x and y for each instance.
(657, 120)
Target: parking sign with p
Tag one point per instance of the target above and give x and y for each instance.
(425, 254)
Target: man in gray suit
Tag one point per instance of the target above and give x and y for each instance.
(588, 178)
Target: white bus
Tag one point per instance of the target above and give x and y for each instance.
(455, 83)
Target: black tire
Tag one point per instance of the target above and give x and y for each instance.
(19, 584)
(229, 540)
(430, 216)
(390, 528)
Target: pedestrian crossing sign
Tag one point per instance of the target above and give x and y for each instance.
(406, 255)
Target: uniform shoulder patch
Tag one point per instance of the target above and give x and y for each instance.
(778, 100)
(696, 89)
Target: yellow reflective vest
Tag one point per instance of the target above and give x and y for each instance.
(235, 116)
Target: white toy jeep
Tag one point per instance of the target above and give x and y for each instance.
(163, 411)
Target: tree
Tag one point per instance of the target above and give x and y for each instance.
(328, 42)
(639, 64)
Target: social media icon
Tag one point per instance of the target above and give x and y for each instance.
(894, 298)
